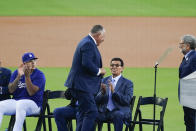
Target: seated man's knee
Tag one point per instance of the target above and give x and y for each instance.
(57, 113)
(117, 115)
(20, 106)
(92, 114)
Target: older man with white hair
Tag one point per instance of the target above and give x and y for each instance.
(188, 66)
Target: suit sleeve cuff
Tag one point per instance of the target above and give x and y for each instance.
(99, 72)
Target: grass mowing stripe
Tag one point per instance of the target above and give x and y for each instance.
(98, 8)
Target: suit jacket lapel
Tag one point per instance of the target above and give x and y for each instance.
(191, 53)
(184, 62)
(99, 55)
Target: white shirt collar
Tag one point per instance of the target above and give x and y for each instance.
(93, 38)
(116, 78)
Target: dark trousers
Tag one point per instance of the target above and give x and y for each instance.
(115, 116)
(87, 111)
(190, 118)
(62, 115)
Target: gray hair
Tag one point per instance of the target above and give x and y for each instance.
(189, 39)
(97, 29)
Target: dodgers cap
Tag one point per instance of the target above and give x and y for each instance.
(28, 57)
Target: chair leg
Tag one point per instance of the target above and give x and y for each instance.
(69, 125)
(24, 126)
(140, 127)
(39, 123)
(49, 124)
(11, 123)
(132, 127)
(100, 125)
(126, 128)
(140, 124)
(162, 129)
(44, 124)
(109, 127)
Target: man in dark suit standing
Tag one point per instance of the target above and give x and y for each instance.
(85, 75)
(188, 66)
(114, 97)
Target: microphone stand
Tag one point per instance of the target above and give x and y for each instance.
(154, 107)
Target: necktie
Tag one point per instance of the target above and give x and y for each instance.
(110, 104)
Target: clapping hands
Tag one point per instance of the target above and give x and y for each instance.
(24, 70)
(27, 71)
(21, 70)
(111, 86)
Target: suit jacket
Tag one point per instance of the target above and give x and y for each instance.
(121, 97)
(85, 66)
(188, 65)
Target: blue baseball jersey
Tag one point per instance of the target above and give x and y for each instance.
(38, 79)
(5, 75)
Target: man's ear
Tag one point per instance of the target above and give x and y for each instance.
(122, 69)
(188, 45)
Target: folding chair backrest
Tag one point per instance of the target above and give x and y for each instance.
(162, 102)
(56, 94)
(150, 100)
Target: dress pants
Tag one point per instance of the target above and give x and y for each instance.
(87, 110)
(115, 116)
(63, 114)
(190, 118)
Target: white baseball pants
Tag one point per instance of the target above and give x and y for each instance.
(21, 108)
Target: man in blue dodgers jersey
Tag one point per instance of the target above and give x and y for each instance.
(27, 84)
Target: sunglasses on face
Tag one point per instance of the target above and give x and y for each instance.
(116, 65)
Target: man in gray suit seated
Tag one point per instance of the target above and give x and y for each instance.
(115, 95)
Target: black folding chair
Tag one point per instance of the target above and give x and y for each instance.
(40, 116)
(100, 125)
(161, 102)
(49, 114)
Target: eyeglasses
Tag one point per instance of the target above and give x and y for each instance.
(117, 65)
(181, 43)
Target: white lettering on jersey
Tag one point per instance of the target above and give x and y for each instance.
(21, 85)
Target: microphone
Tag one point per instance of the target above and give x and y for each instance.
(156, 64)
(163, 56)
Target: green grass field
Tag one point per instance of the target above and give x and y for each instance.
(143, 79)
(97, 8)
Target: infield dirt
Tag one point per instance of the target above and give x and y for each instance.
(139, 41)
